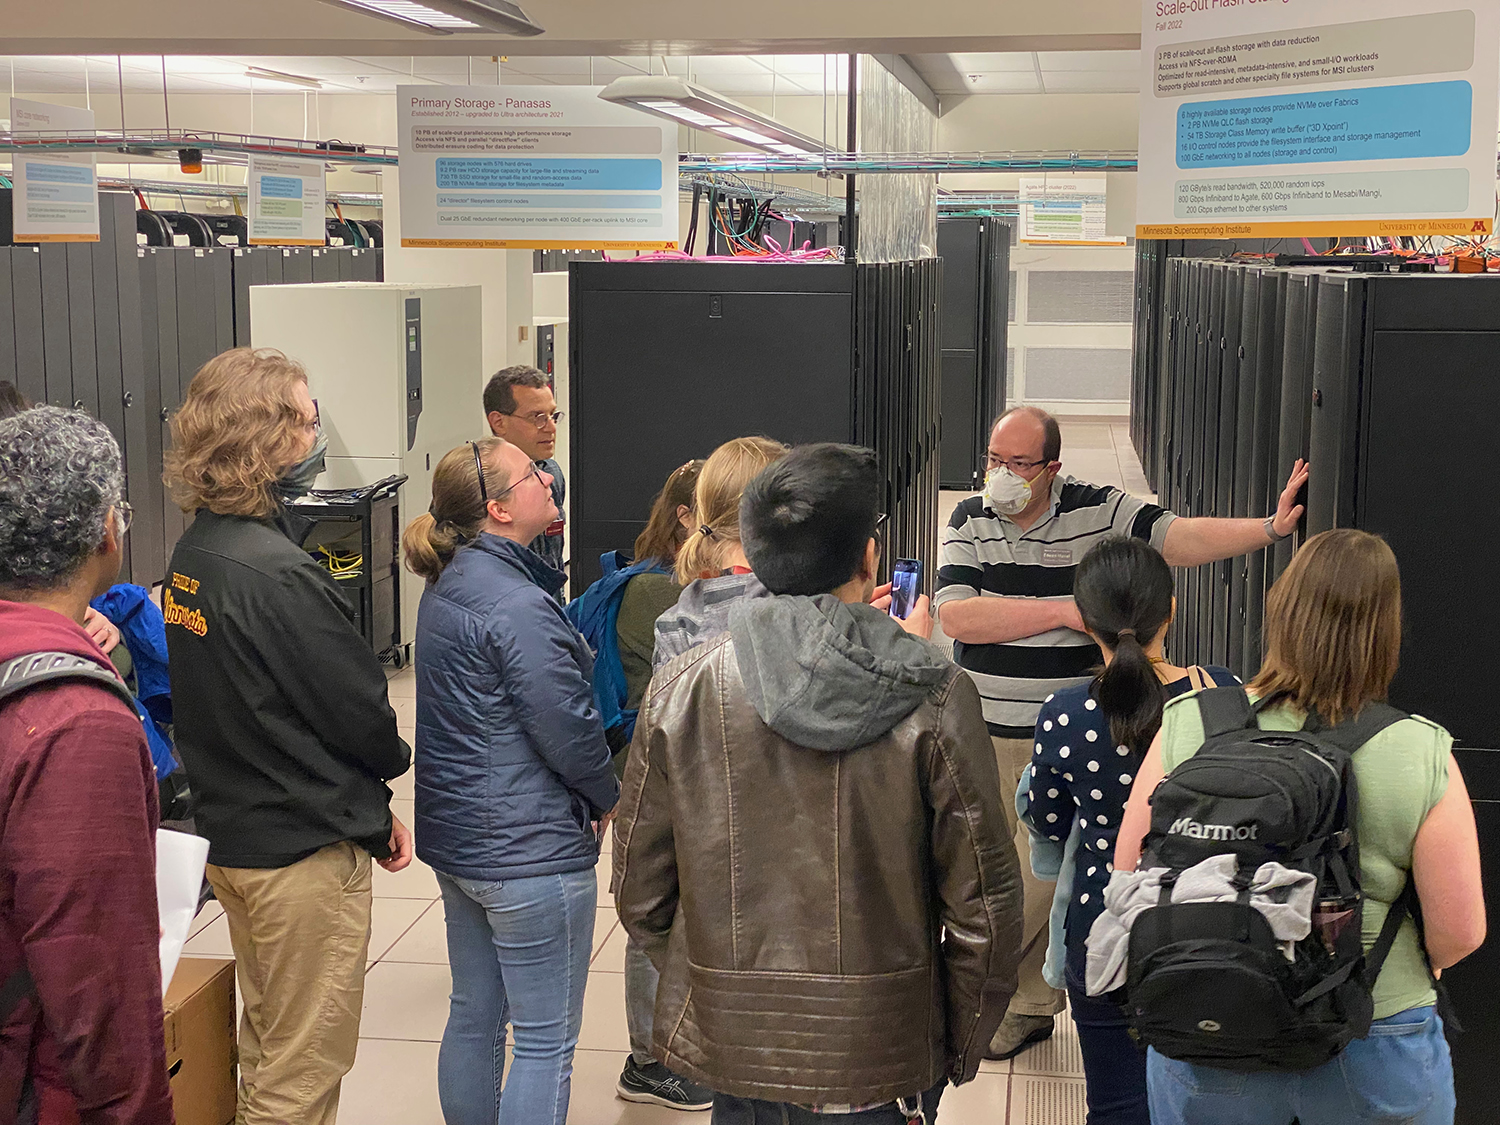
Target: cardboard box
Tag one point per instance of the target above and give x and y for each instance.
(202, 1056)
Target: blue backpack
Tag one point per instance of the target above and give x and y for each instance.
(596, 614)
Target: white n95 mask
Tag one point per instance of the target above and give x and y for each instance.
(1006, 492)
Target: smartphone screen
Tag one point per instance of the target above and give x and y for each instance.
(906, 577)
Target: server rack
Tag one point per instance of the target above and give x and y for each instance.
(1403, 409)
(1246, 359)
(975, 299)
(670, 360)
(118, 330)
(70, 334)
(1384, 382)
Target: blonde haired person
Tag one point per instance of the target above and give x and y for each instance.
(1333, 640)
(514, 785)
(284, 727)
(711, 563)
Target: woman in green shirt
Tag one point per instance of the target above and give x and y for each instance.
(1333, 638)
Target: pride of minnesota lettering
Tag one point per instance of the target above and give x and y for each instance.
(178, 614)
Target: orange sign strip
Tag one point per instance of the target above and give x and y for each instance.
(1363, 228)
(19, 237)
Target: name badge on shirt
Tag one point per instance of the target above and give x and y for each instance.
(1057, 556)
(555, 527)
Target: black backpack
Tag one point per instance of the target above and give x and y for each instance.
(1207, 982)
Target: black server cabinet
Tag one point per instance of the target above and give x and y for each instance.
(158, 277)
(1332, 442)
(670, 360)
(1246, 361)
(1407, 381)
(26, 293)
(1270, 342)
(1224, 464)
(1296, 391)
(976, 280)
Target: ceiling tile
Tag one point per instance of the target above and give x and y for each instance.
(1011, 62)
(1090, 60)
(1003, 84)
(1092, 82)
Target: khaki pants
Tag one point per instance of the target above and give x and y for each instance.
(1034, 997)
(301, 935)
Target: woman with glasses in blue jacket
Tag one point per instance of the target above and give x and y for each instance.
(513, 785)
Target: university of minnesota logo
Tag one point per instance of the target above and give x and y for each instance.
(177, 614)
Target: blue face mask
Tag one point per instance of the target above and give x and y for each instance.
(297, 481)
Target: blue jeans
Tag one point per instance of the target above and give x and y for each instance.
(1401, 1073)
(1113, 1064)
(641, 980)
(730, 1110)
(519, 954)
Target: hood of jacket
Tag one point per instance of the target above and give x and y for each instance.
(827, 675)
(26, 628)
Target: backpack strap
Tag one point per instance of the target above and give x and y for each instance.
(1404, 905)
(1225, 709)
(35, 668)
(1353, 733)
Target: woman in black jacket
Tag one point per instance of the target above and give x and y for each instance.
(513, 788)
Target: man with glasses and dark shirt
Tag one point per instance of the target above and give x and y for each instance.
(1005, 597)
(519, 405)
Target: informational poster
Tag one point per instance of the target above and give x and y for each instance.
(287, 202)
(56, 193)
(1063, 207)
(534, 167)
(1318, 118)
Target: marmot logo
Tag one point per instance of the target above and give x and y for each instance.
(1199, 831)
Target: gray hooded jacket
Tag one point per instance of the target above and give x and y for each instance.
(827, 675)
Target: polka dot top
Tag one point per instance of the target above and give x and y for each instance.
(1077, 772)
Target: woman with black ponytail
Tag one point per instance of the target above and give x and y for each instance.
(1090, 741)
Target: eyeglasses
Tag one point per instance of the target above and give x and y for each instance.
(1014, 464)
(880, 521)
(124, 516)
(484, 493)
(535, 472)
(539, 419)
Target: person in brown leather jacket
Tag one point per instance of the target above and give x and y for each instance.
(810, 845)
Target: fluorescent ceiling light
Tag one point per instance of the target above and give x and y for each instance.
(668, 96)
(445, 17)
(286, 79)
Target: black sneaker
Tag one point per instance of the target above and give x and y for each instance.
(654, 1084)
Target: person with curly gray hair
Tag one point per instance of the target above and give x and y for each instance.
(78, 790)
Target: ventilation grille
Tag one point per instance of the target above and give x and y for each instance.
(1011, 297)
(1049, 1101)
(1080, 297)
(1078, 374)
(1010, 377)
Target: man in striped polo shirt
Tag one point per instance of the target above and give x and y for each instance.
(1005, 597)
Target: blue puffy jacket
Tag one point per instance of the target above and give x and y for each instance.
(511, 759)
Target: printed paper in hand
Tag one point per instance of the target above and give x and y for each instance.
(180, 860)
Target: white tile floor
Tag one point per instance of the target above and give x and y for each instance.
(394, 1081)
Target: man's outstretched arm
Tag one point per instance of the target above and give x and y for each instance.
(1193, 542)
